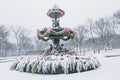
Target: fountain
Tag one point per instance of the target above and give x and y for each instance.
(56, 32)
(57, 59)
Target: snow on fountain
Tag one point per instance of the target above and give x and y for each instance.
(57, 59)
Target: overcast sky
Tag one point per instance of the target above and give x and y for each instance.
(31, 14)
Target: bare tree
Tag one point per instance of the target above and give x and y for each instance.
(81, 35)
(117, 17)
(3, 39)
(22, 38)
(91, 28)
(3, 33)
(104, 28)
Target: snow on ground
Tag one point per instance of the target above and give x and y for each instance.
(7, 59)
(109, 70)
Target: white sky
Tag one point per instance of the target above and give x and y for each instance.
(31, 14)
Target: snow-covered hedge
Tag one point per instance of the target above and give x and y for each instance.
(55, 64)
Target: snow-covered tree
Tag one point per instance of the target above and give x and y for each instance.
(104, 28)
(91, 28)
(23, 39)
(3, 39)
(81, 35)
(117, 17)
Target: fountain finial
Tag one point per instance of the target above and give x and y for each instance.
(55, 7)
(55, 12)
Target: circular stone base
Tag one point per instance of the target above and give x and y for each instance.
(55, 64)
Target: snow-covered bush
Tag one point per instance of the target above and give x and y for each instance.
(55, 64)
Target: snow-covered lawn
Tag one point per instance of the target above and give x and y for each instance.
(7, 59)
(109, 70)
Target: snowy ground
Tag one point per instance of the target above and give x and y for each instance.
(108, 71)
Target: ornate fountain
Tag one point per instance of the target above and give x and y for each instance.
(56, 32)
(55, 63)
